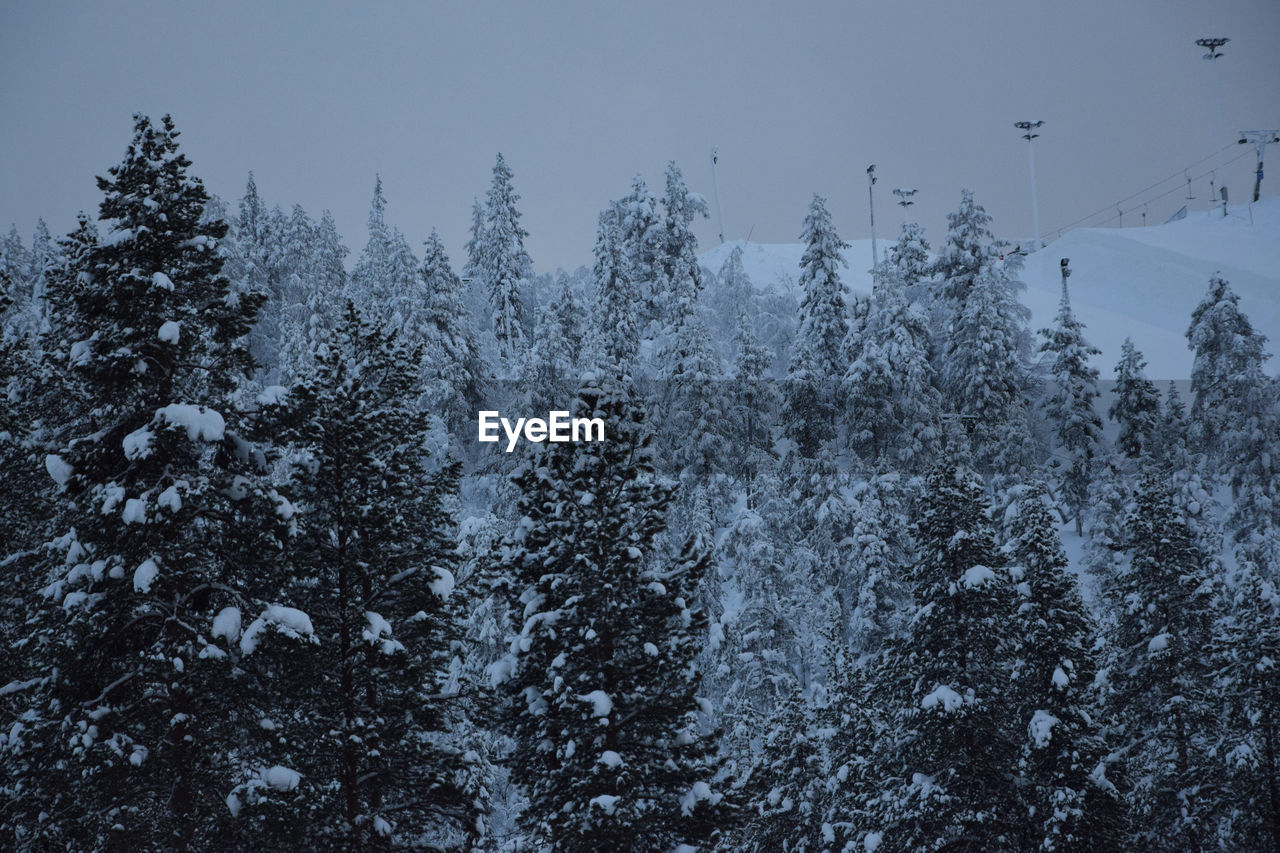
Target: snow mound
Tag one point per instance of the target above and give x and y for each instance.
(169, 331)
(145, 575)
(288, 621)
(200, 423)
(601, 704)
(944, 696)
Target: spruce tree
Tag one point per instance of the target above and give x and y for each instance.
(817, 359)
(1074, 806)
(603, 694)
(1225, 374)
(1161, 688)
(893, 404)
(131, 722)
(677, 253)
(1070, 406)
(456, 373)
(947, 765)
(1136, 407)
(385, 279)
(502, 263)
(617, 319)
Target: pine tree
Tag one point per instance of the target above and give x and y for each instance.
(948, 763)
(131, 718)
(1137, 404)
(785, 790)
(1075, 806)
(817, 360)
(503, 265)
(880, 553)
(1160, 676)
(640, 240)
(365, 716)
(1070, 406)
(602, 691)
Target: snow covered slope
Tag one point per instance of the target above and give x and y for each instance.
(1133, 282)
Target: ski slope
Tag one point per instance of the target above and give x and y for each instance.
(1141, 283)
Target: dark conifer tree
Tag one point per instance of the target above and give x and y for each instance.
(128, 733)
(603, 694)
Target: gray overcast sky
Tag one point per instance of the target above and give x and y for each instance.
(800, 97)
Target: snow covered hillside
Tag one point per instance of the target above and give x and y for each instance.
(1133, 282)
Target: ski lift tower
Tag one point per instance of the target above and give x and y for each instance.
(905, 202)
(1028, 129)
(1260, 139)
(1214, 53)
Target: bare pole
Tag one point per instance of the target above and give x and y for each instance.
(871, 196)
(1212, 45)
(1029, 134)
(1260, 139)
(715, 183)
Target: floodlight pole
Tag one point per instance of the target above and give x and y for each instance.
(1260, 139)
(905, 202)
(1064, 264)
(1029, 134)
(715, 184)
(871, 197)
(1212, 45)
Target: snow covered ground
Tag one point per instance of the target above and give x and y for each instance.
(1132, 282)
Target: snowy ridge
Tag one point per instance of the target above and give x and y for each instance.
(1141, 283)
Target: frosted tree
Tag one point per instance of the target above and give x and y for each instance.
(817, 360)
(385, 278)
(640, 239)
(984, 373)
(1247, 645)
(732, 295)
(603, 697)
(785, 791)
(502, 264)
(910, 257)
(456, 372)
(893, 404)
(753, 401)
(1136, 407)
(366, 715)
(618, 300)
(677, 252)
(1075, 806)
(1225, 373)
(947, 763)
(968, 251)
(1106, 532)
(881, 551)
(1161, 689)
(1070, 406)
(164, 521)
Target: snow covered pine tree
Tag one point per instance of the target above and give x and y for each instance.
(602, 691)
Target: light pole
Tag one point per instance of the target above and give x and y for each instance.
(1028, 128)
(905, 202)
(1212, 45)
(871, 197)
(715, 183)
(1260, 139)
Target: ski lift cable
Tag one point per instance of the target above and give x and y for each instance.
(1180, 173)
(1179, 189)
